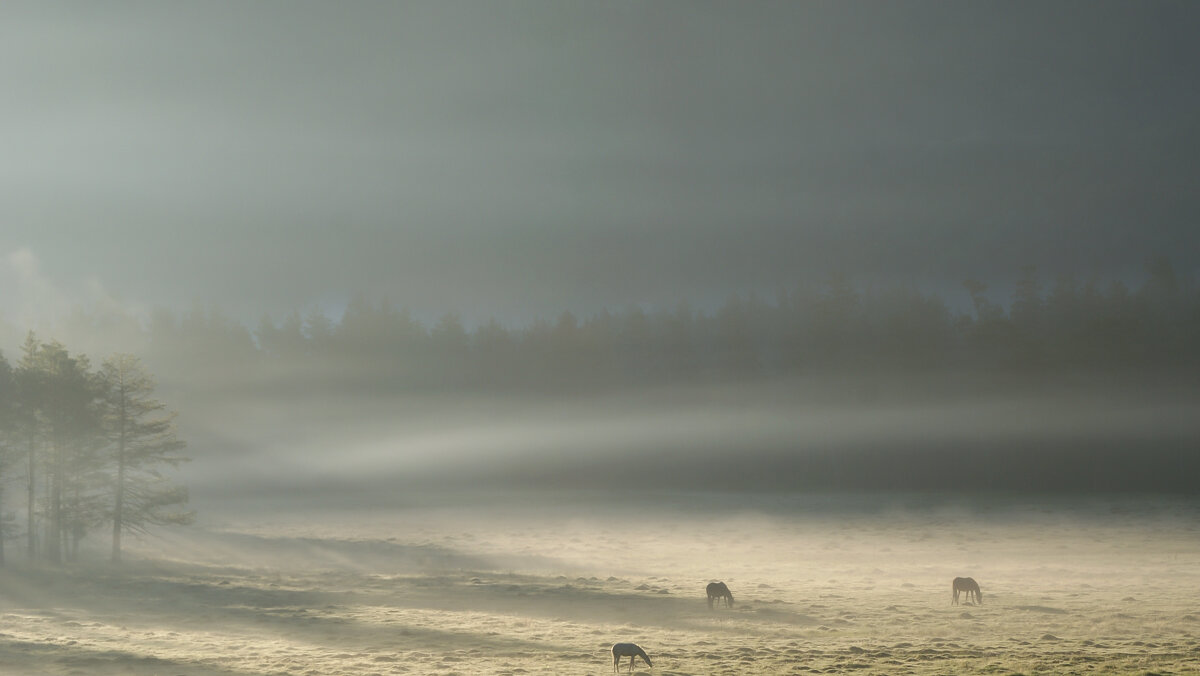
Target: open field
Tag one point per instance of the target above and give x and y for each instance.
(511, 587)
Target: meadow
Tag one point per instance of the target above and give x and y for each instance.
(519, 584)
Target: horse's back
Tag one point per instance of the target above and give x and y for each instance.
(626, 649)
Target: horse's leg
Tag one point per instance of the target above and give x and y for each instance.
(631, 663)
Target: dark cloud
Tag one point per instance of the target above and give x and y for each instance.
(524, 158)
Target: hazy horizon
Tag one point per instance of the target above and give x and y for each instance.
(523, 159)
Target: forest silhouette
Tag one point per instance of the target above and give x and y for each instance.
(1065, 328)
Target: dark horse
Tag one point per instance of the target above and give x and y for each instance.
(968, 585)
(630, 650)
(717, 591)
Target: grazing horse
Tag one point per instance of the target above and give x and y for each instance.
(717, 591)
(968, 585)
(630, 650)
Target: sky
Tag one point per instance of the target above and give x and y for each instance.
(517, 159)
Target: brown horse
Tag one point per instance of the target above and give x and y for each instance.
(630, 650)
(718, 591)
(968, 585)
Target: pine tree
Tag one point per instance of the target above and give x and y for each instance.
(8, 401)
(143, 439)
(64, 400)
(28, 424)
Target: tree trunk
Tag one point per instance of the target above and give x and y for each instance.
(119, 506)
(76, 536)
(2, 533)
(75, 532)
(55, 536)
(119, 502)
(32, 534)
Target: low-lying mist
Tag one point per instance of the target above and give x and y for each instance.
(781, 436)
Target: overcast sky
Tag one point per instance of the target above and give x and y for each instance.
(515, 158)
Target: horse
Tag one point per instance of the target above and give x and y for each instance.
(968, 585)
(717, 591)
(630, 650)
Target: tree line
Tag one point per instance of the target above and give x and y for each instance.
(86, 446)
(1062, 326)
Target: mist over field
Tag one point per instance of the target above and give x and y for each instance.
(476, 338)
(733, 439)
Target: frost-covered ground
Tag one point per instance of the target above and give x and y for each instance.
(513, 586)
